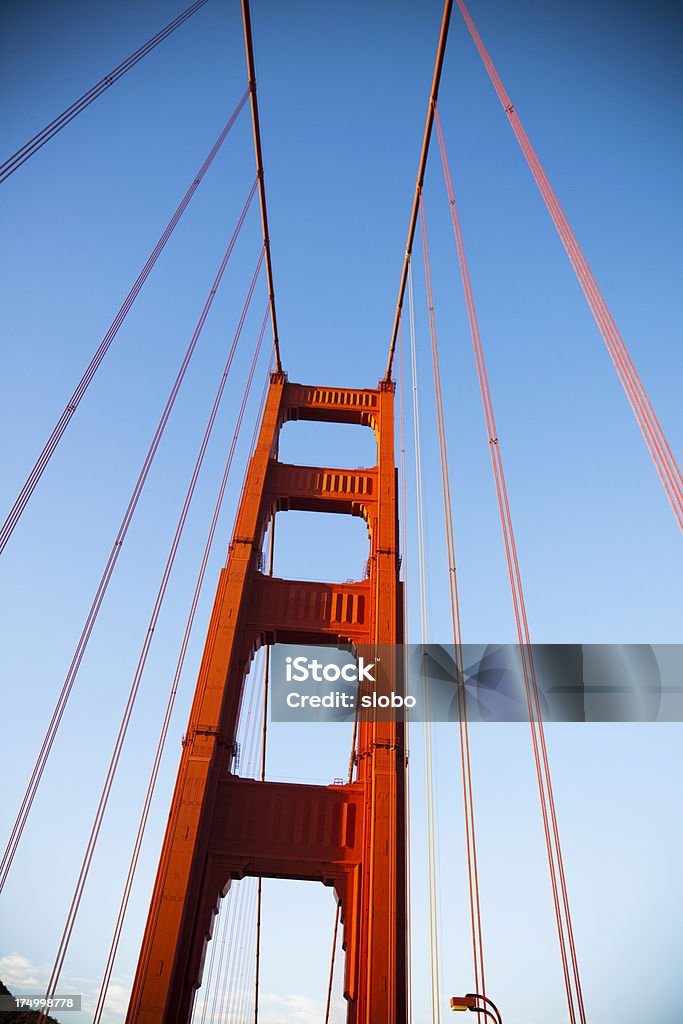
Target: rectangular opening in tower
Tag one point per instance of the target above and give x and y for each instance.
(321, 547)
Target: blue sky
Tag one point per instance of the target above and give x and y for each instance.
(343, 92)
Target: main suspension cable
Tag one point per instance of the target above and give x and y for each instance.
(249, 45)
(174, 689)
(84, 638)
(71, 406)
(31, 147)
(659, 448)
(440, 54)
(553, 847)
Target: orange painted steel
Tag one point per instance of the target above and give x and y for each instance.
(221, 827)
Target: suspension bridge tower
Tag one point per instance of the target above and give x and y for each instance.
(221, 827)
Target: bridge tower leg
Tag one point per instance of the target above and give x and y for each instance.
(222, 827)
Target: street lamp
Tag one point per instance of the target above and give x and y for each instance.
(473, 1001)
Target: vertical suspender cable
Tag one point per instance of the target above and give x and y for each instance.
(432, 882)
(554, 851)
(71, 406)
(465, 760)
(154, 909)
(422, 568)
(206, 987)
(337, 916)
(225, 995)
(659, 448)
(67, 687)
(230, 940)
(330, 979)
(142, 661)
(231, 996)
(50, 130)
(235, 999)
(404, 573)
(264, 737)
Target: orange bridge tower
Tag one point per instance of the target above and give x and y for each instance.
(222, 827)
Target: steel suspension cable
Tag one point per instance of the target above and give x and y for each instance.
(461, 695)
(113, 949)
(251, 70)
(470, 834)
(142, 660)
(665, 464)
(229, 940)
(240, 989)
(432, 886)
(528, 667)
(335, 932)
(226, 985)
(264, 737)
(403, 486)
(72, 673)
(163, 864)
(337, 916)
(652, 431)
(234, 997)
(50, 130)
(225, 921)
(424, 624)
(511, 559)
(422, 166)
(553, 846)
(257, 426)
(220, 933)
(339, 1015)
(235, 929)
(239, 924)
(62, 423)
(154, 909)
(241, 905)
